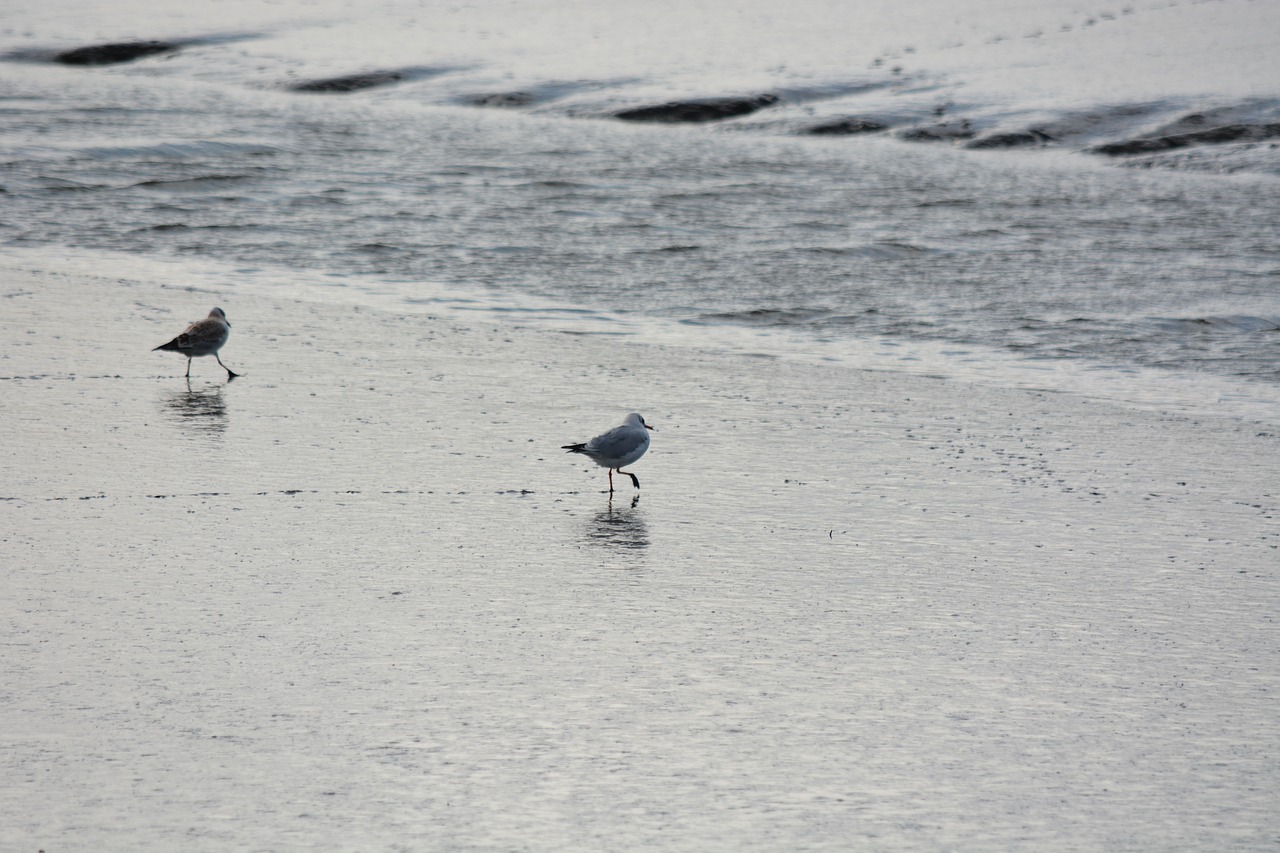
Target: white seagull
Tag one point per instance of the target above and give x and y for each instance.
(619, 446)
(204, 337)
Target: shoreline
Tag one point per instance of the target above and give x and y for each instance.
(1193, 395)
(362, 593)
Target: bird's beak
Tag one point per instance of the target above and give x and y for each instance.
(651, 429)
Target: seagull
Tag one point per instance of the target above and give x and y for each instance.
(617, 447)
(204, 337)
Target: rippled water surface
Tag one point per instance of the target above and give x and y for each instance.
(206, 153)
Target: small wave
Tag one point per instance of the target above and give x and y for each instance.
(555, 184)
(891, 251)
(766, 316)
(947, 202)
(883, 251)
(182, 226)
(673, 249)
(167, 226)
(207, 149)
(379, 248)
(1229, 323)
(189, 183)
(51, 184)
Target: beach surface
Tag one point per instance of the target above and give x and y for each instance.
(360, 599)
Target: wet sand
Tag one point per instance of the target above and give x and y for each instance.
(360, 599)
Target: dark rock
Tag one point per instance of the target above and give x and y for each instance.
(702, 110)
(945, 131)
(1234, 133)
(845, 127)
(1133, 146)
(503, 99)
(1215, 135)
(1016, 139)
(109, 54)
(349, 83)
(1242, 113)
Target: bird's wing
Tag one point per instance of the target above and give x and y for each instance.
(612, 441)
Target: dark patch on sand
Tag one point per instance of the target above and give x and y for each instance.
(1210, 136)
(111, 54)
(503, 99)
(942, 132)
(349, 82)
(845, 127)
(697, 111)
(1016, 139)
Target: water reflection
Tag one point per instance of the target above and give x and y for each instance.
(619, 527)
(202, 411)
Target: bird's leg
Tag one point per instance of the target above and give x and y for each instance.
(611, 481)
(635, 481)
(188, 367)
(230, 373)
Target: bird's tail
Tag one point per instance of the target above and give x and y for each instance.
(573, 448)
(172, 346)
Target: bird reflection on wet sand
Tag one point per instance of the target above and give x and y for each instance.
(619, 528)
(200, 410)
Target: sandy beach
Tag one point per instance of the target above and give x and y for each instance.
(359, 598)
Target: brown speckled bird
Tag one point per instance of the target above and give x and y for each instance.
(204, 337)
